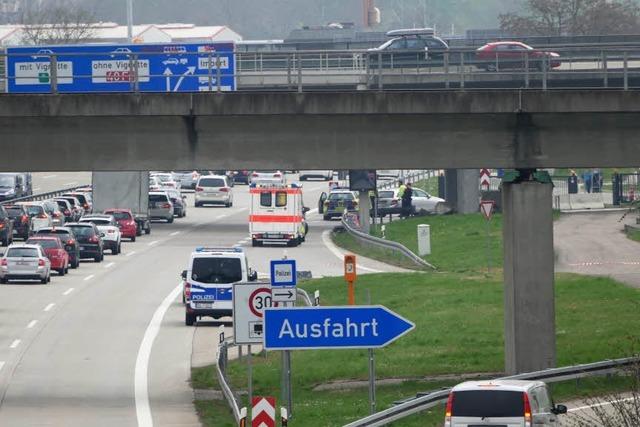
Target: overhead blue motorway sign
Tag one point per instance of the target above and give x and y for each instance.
(306, 328)
(187, 67)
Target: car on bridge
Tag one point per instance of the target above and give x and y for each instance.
(409, 47)
(513, 54)
(25, 262)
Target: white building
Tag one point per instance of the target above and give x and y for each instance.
(110, 32)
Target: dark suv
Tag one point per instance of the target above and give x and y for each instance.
(21, 220)
(89, 239)
(6, 227)
(68, 239)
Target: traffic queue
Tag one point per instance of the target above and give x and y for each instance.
(55, 234)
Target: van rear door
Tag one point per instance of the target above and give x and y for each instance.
(495, 408)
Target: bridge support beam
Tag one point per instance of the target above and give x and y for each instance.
(529, 309)
(462, 189)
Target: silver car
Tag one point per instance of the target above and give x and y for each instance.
(187, 179)
(25, 262)
(160, 206)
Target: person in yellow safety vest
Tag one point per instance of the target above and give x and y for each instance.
(401, 189)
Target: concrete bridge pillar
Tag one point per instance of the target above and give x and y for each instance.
(462, 190)
(529, 309)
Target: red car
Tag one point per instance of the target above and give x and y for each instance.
(54, 250)
(126, 222)
(502, 55)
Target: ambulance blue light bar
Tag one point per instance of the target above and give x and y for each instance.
(208, 249)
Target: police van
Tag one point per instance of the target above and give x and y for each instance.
(277, 214)
(208, 282)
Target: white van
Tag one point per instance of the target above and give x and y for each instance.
(502, 403)
(208, 282)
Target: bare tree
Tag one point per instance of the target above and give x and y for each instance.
(61, 22)
(573, 17)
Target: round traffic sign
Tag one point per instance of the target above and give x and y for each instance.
(259, 300)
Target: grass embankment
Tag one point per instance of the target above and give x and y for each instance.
(633, 234)
(459, 327)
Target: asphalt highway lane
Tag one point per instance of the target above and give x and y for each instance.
(70, 351)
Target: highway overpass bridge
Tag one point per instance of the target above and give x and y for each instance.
(342, 130)
(349, 130)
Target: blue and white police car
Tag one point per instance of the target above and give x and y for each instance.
(208, 281)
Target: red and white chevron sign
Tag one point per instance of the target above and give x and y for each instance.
(263, 413)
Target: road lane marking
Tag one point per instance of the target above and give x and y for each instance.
(141, 382)
(175, 233)
(111, 264)
(49, 176)
(68, 291)
(152, 243)
(597, 405)
(131, 253)
(49, 307)
(15, 343)
(36, 189)
(89, 277)
(1, 365)
(32, 324)
(334, 250)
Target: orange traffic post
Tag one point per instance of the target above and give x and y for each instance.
(350, 276)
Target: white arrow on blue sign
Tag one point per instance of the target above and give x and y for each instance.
(305, 328)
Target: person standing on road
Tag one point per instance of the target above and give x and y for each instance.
(406, 201)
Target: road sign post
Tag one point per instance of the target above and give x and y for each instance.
(486, 207)
(350, 276)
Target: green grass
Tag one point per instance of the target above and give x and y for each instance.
(634, 235)
(459, 329)
(452, 236)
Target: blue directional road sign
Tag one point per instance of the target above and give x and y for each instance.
(186, 67)
(283, 273)
(306, 328)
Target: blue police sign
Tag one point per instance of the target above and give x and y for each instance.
(189, 67)
(332, 327)
(283, 273)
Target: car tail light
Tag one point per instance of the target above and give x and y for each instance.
(199, 189)
(187, 290)
(42, 216)
(71, 242)
(67, 212)
(166, 205)
(57, 214)
(254, 175)
(527, 410)
(1, 224)
(3, 262)
(24, 219)
(448, 411)
(277, 175)
(41, 262)
(224, 189)
(86, 206)
(93, 239)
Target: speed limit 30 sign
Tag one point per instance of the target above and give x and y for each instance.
(249, 302)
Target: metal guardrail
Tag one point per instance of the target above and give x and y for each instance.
(385, 244)
(586, 66)
(43, 196)
(423, 402)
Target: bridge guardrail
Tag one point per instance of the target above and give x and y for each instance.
(592, 66)
(42, 196)
(385, 244)
(423, 402)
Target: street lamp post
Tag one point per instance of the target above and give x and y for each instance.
(130, 20)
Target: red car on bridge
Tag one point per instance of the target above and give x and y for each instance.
(512, 54)
(54, 250)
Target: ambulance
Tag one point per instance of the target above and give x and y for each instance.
(277, 214)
